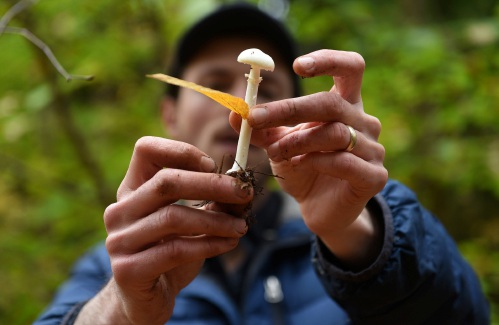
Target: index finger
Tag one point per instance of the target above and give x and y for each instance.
(151, 154)
(318, 107)
(346, 68)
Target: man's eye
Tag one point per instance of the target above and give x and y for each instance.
(220, 86)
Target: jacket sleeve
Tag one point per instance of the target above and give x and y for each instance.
(89, 275)
(419, 276)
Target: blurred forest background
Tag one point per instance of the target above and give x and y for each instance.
(432, 78)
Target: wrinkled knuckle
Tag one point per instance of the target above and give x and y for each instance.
(348, 163)
(112, 215)
(167, 218)
(344, 132)
(381, 152)
(334, 104)
(282, 147)
(336, 131)
(330, 99)
(374, 125)
(295, 140)
(185, 149)
(143, 145)
(114, 242)
(378, 179)
(289, 109)
(164, 182)
(174, 250)
(123, 268)
(382, 179)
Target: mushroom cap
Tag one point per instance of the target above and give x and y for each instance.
(256, 58)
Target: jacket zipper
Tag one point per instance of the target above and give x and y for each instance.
(275, 289)
(274, 296)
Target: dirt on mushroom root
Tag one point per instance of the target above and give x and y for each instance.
(246, 180)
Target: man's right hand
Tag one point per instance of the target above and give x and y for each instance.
(157, 247)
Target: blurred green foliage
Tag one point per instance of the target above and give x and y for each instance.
(432, 79)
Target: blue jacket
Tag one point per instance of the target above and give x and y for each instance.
(418, 278)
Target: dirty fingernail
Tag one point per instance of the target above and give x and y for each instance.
(308, 63)
(259, 115)
(242, 189)
(207, 164)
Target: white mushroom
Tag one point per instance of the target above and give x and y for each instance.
(257, 60)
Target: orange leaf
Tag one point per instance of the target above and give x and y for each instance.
(233, 103)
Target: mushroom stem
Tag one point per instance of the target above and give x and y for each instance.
(243, 143)
(258, 60)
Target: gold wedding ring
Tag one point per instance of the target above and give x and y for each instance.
(353, 138)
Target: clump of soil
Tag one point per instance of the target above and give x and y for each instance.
(246, 180)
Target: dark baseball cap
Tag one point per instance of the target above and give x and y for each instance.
(239, 19)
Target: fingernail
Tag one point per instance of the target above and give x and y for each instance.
(207, 164)
(241, 226)
(308, 63)
(259, 115)
(242, 189)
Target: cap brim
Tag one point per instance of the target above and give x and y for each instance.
(234, 19)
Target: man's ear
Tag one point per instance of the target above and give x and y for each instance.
(169, 115)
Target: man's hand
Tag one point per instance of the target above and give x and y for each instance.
(306, 140)
(157, 247)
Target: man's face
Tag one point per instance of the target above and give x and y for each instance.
(198, 120)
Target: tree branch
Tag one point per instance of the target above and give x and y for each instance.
(11, 13)
(60, 103)
(48, 52)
